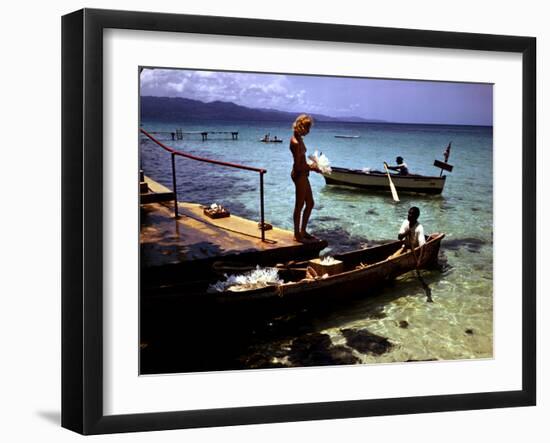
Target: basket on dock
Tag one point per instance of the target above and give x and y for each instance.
(322, 268)
(216, 211)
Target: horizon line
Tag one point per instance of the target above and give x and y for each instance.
(375, 120)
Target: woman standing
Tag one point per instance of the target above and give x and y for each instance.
(300, 174)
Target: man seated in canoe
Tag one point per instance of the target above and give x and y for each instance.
(411, 232)
(401, 166)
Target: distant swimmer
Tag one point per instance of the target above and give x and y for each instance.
(401, 166)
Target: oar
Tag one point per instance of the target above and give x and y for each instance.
(392, 186)
(425, 286)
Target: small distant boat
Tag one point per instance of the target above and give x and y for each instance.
(271, 140)
(378, 181)
(347, 136)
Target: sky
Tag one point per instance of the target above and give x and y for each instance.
(402, 101)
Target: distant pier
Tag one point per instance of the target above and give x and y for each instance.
(178, 134)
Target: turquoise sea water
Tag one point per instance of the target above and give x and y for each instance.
(459, 324)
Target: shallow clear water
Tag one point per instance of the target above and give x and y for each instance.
(459, 324)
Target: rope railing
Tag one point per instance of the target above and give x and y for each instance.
(173, 152)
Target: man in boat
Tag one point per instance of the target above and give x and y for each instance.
(411, 232)
(401, 166)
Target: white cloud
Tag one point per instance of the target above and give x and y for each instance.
(253, 90)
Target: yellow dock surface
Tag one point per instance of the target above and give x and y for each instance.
(194, 236)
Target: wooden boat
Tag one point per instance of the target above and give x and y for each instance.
(378, 181)
(363, 271)
(347, 136)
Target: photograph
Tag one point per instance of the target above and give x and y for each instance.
(292, 220)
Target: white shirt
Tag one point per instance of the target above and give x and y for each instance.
(418, 238)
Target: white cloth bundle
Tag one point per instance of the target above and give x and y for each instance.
(321, 161)
(258, 278)
(328, 260)
(214, 207)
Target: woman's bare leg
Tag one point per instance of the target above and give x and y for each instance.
(310, 203)
(301, 192)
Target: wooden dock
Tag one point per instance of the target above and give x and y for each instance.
(178, 134)
(176, 249)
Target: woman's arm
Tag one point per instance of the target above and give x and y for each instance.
(300, 163)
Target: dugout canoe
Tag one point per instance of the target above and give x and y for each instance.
(378, 181)
(362, 272)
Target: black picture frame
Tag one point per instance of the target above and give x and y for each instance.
(82, 216)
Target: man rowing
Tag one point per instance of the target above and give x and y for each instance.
(412, 232)
(401, 166)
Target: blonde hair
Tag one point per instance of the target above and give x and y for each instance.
(302, 122)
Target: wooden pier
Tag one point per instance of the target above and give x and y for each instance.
(178, 134)
(175, 249)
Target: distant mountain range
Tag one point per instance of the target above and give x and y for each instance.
(177, 109)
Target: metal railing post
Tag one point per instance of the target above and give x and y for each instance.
(262, 221)
(173, 153)
(176, 215)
